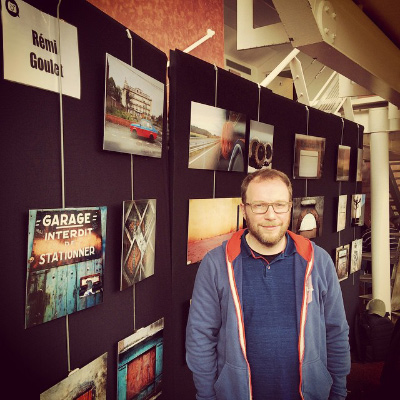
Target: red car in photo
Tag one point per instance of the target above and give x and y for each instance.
(144, 129)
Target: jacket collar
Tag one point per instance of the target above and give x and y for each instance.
(303, 245)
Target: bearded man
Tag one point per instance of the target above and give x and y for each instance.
(266, 319)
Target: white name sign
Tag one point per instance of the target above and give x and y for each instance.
(33, 53)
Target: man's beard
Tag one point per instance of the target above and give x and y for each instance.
(268, 239)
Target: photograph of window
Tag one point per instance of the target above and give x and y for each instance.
(309, 154)
(140, 362)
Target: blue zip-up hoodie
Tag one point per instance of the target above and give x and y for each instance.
(215, 333)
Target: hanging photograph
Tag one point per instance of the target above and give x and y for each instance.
(309, 154)
(138, 241)
(342, 261)
(226, 216)
(133, 110)
(357, 209)
(140, 361)
(341, 213)
(217, 139)
(356, 255)
(359, 165)
(260, 147)
(307, 216)
(88, 382)
(66, 251)
(343, 163)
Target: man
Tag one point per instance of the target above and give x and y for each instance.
(267, 319)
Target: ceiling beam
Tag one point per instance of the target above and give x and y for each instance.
(339, 35)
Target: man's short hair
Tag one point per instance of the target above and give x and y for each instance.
(265, 175)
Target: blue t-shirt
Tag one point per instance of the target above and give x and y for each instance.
(269, 309)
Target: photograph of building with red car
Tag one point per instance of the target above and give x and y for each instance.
(133, 110)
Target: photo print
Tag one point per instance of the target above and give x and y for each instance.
(260, 147)
(138, 241)
(309, 154)
(226, 216)
(359, 165)
(343, 163)
(217, 139)
(86, 383)
(140, 361)
(341, 213)
(65, 269)
(307, 216)
(357, 209)
(356, 255)
(342, 261)
(133, 110)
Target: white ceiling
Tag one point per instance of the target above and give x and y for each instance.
(384, 13)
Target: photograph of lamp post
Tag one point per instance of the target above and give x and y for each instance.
(357, 209)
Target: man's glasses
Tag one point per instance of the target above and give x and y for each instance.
(279, 207)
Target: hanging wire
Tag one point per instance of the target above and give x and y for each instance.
(62, 163)
(308, 122)
(259, 102)
(129, 36)
(215, 105)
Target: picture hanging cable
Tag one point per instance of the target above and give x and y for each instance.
(62, 161)
(214, 185)
(216, 85)
(61, 109)
(308, 122)
(128, 34)
(341, 138)
(308, 119)
(134, 307)
(215, 105)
